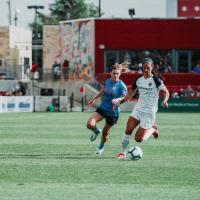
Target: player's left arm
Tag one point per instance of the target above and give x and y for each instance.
(165, 97)
(161, 87)
(116, 102)
(123, 92)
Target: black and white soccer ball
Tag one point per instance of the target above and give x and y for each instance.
(135, 153)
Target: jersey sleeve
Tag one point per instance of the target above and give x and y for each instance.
(161, 86)
(159, 83)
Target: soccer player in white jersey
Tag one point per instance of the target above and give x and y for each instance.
(144, 112)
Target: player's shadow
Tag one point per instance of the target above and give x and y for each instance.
(66, 156)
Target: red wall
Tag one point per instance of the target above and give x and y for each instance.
(120, 34)
(171, 80)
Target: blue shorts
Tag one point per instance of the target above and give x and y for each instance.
(110, 120)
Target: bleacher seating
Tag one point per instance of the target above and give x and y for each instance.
(173, 81)
(176, 81)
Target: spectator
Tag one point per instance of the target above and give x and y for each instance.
(36, 75)
(189, 92)
(20, 89)
(174, 94)
(198, 91)
(33, 70)
(181, 93)
(56, 70)
(66, 69)
(197, 69)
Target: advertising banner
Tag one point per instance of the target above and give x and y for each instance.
(181, 105)
(16, 104)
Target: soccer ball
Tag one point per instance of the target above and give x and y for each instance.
(135, 153)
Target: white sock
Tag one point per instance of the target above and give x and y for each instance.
(148, 133)
(125, 142)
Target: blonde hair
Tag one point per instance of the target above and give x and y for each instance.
(122, 66)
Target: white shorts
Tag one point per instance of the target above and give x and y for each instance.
(147, 120)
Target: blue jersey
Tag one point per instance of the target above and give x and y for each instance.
(112, 90)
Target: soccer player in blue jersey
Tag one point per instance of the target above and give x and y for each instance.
(113, 88)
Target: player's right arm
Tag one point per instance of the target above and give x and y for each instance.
(91, 102)
(131, 92)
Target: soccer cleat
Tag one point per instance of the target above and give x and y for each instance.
(121, 155)
(156, 132)
(94, 135)
(99, 151)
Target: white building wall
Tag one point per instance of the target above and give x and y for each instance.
(15, 45)
(20, 44)
(21, 39)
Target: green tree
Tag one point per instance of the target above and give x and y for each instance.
(63, 10)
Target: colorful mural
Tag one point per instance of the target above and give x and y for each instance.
(77, 48)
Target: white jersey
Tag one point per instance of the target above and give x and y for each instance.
(148, 89)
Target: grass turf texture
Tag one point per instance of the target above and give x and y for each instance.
(49, 156)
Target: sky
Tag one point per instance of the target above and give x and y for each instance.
(110, 8)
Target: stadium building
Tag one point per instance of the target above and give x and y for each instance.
(103, 42)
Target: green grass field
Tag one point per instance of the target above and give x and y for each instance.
(48, 156)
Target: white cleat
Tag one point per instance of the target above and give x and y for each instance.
(99, 151)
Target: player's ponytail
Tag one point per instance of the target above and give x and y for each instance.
(155, 71)
(124, 66)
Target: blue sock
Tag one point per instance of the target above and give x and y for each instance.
(101, 145)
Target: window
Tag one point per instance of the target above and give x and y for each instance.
(134, 58)
(175, 60)
(111, 59)
(195, 58)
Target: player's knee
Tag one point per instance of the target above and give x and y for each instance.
(89, 125)
(128, 131)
